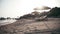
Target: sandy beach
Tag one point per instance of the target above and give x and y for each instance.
(31, 26)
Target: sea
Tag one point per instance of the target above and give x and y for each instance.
(7, 21)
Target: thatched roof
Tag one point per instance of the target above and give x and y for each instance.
(42, 8)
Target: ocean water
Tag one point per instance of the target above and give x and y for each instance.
(7, 21)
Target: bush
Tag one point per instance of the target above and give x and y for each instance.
(54, 12)
(27, 16)
(2, 18)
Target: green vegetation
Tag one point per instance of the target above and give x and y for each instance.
(2, 18)
(54, 12)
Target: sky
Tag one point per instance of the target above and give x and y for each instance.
(17, 8)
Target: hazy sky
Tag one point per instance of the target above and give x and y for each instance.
(14, 8)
